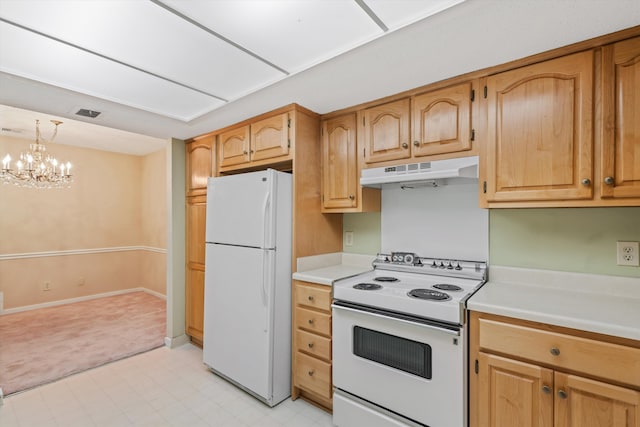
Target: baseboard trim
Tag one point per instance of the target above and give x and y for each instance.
(6, 257)
(176, 341)
(78, 299)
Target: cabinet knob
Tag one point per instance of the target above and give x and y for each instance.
(245, 152)
(546, 389)
(586, 181)
(609, 180)
(405, 145)
(562, 394)
(416, 143)
(311, 372)
(310, 297)
(310, 345)
(555, 351)
(311, 321)
(352, 197)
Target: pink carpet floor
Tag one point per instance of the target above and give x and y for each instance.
(43, 345)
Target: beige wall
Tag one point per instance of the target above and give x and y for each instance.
(113, 211)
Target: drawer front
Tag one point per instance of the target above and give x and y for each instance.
(313, 374)
(595, 358)
(313, 344)
(313, 321)
(310, 296)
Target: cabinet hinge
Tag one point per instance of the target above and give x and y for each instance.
(364, 152)
(473, 95)
(289, 123)
(473, 134)
(321, 131)
(362, 120)
(485, 91)
(484, 186)
(477, 368)
(289, 143)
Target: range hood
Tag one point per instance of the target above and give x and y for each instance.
(433, 173)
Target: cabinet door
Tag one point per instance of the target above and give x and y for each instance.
(194, 286)
(270, 137)
(194, 298)
(539, 131)
(581, 402)
(386, 132)
(513, 393)
(234, 147)
(199, 165)
(339, 163)
(621, 130)
(442, 121)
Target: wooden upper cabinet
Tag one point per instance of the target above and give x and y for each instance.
(258, 143)
(621, 128)
(441, 121)
(200, 165)
(539, 131)
(386, 131)
(270, 137)
(234, 147)
(339, 164)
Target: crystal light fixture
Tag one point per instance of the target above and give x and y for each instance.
(35, 168)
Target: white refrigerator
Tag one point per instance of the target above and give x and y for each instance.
(247, 293)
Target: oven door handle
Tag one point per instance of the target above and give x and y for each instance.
(387, 315)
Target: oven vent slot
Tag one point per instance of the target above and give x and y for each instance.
(396, 352)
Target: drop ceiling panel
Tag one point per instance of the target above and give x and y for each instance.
(61, 65)
(292, 34)
(398, 13)
(146, 36)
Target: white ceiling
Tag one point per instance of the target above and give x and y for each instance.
(180, 68)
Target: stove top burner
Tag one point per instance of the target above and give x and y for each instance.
(386, 279)
(447, 287)
(367, 286)
(429, 294)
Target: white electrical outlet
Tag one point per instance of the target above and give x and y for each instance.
(348, 238)
(627, 254)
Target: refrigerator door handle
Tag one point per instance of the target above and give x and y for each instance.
(265, 218)
(266, 281)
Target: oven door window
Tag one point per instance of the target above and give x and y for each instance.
(399, 353)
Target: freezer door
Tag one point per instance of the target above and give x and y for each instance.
(241, 210)
(237, 320)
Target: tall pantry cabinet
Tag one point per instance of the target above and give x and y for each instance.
(200, 165)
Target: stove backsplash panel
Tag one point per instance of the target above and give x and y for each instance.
(439, 222)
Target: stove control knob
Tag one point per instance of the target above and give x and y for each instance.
(442, 265)
(418, 263)
(408, 259)
(449, 267)
(458, 267)
(434, 265)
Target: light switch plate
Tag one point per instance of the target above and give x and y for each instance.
(348, 238)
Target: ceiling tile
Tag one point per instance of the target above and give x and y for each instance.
(146, 36)
(398, 13)
(61, 65)
(293, 34)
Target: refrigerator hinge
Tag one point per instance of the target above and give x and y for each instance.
(477, 368)
(473, 95)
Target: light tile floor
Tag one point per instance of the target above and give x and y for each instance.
(162, 387)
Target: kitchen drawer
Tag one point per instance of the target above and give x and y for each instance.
(313, 321)
(595, 358)
(313, 374)
(313, 344)
(316, 297)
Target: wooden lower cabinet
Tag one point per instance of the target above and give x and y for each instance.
(311, 370)
(519, 388)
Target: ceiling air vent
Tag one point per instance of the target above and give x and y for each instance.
(88, 113)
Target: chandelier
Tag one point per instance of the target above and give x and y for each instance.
(35, 168)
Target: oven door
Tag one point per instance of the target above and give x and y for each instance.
(406, 366)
